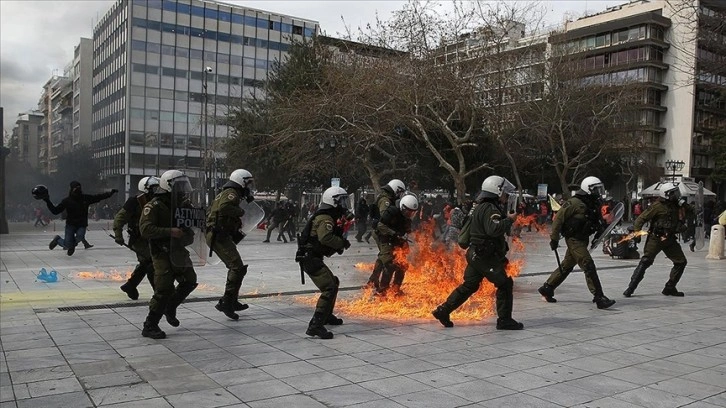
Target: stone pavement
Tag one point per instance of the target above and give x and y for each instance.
(647, 351)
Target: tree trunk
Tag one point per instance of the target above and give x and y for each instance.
(460, 184)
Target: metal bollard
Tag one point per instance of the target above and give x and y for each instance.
(715, 248)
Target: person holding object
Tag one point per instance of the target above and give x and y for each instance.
(129, 215)
(486, 255)
(223, 235)
(319, 239)
(76, 208)
(665, 221)
(578, 218)
(167, 245)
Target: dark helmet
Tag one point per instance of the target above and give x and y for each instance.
(39, 192)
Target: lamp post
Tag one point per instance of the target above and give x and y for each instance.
(673, 166)
(208, 171)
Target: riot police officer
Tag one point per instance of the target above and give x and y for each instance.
(322, 238)
(170, 257)
(390, 233)
(578, 218)
(389, 194)
(665, 223)
(223, 235)
(486, 255)
(129, 215)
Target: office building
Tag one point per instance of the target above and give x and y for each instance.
(82, 77)
(158, 64)
(25, 137)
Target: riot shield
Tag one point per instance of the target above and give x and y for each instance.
(698, 208)
(618, 213)
(254, 214)
(189, 215)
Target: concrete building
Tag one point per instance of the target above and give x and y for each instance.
(82, 77)
(56, 106)
(158, 64)
(25, 137)
(662, 46)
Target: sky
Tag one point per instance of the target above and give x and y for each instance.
(37, 37)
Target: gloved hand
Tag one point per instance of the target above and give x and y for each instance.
(637, 239)
(114, 191)
(249, 199)
(300, 255)
(554, 244)
(346, 244)
(340, 251)
(119, 240)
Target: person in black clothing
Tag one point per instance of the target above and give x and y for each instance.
(361, 219)
(278, 217)
(76, 208)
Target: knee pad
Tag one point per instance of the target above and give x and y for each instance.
(645, 261)
(681, 264)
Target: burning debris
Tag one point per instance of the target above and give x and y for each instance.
(433, 271)
(112, 275)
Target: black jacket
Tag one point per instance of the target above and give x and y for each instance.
(76, 207)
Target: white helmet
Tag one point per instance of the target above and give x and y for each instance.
(334, 197)
(397, 186)
(669, 191)
(593, 186)
(408, 205)
(148, 184)
(171, 177)
(495, 186)
(243, 178)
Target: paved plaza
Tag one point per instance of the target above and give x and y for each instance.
(61, 348)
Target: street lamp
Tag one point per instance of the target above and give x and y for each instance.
(208, 166)
(673, 166)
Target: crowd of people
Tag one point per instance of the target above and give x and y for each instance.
(162, 222)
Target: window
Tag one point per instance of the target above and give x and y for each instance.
(166, 116)
(152, 114)
(138, 45)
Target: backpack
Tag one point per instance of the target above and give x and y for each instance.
(465, 233)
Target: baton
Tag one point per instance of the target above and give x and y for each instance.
(124, 244)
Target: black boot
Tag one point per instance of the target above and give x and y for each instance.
(442, 316)
(509, 324)
(316, 328)
(54, 242)
(602, 302)
(672, 291)
(226, 306)
(182, 291)
(638, 275)
(151, 327)
(334, 320)
(238, 307)
(131, 291)
(548, 293)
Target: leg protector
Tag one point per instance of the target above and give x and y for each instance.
(638, 275)
(182, 291)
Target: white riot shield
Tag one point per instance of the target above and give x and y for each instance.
(700, 232)
(189, 215)
(254, 214)
(618, 213)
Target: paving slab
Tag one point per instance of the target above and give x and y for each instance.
(77, 343)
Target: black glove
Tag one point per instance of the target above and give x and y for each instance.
(238, 236)
(119, 240)
(340, 251)
(114, 191)
(299, 255)
(554, 244)
(637, 239)
(249, 199)
(243, 212)
(346, 244)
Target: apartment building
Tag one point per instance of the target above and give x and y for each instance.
(165, 74)
(56, 106)
(25, 137)
(82, 77)
(674, 52)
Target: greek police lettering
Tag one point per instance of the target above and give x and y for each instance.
(189, 217)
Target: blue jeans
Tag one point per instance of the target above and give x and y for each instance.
(73, 236)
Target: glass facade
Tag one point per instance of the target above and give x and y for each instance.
(166, 48)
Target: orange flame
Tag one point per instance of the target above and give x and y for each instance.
(367, 267)
(632, 235)
(112, 275)
(433, 271)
